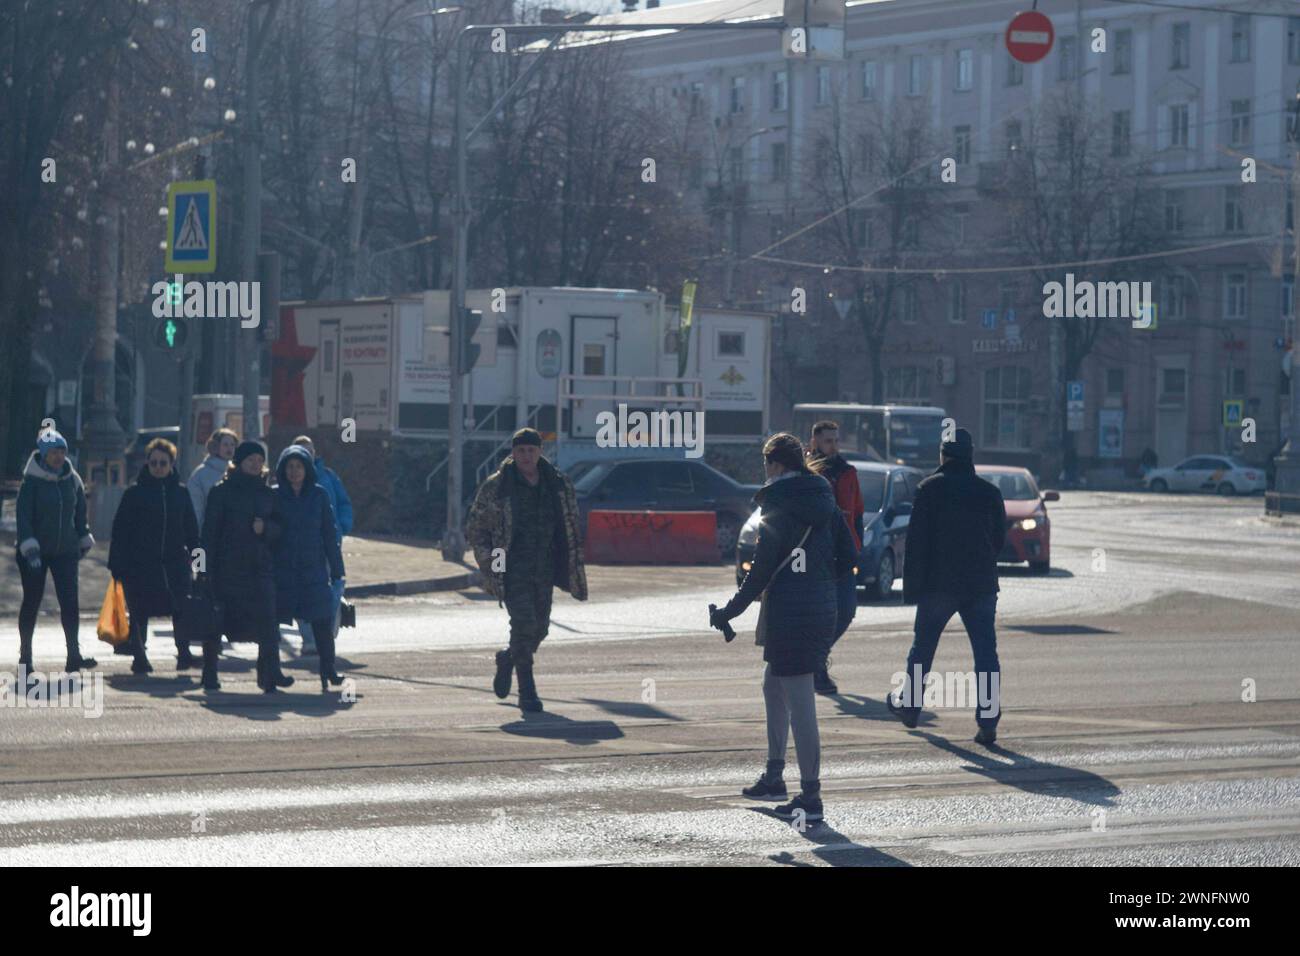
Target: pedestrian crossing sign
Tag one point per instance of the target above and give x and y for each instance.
(192, 226)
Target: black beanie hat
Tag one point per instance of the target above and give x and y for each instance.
(527, 436)
(961, 446)
(246, 448)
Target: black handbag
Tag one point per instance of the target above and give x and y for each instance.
(198, 614)
(347, 614)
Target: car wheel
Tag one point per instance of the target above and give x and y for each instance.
(1159, 485)
(1227, 488)
(727, 535)
(1040, 567)
(884, 586)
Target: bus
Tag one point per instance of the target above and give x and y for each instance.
(902, 434)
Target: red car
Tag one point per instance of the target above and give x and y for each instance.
(1029, 532)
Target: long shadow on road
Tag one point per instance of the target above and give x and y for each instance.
(552, 726)
(833, 847)
(1033, 776)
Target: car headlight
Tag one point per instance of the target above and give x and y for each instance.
(1029, 524)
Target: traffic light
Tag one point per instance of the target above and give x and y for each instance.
(469, 349)
(170, 334)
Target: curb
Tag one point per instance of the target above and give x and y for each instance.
(450, 582)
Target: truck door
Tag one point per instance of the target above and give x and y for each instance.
(327, 378)
(592, 352)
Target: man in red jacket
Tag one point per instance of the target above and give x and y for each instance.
(825, 449)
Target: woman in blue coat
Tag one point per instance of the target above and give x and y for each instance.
(308, 559)
(799, 612)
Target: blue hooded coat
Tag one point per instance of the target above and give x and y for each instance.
(307, 554)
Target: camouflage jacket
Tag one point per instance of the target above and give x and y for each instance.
(491, 526)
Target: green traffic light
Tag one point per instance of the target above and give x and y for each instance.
(169, 331)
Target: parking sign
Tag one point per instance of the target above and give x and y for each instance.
(192, 226)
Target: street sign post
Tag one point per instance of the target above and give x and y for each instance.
(1233, 409)
(192, 227)
(1029, 36)
(1074, 406)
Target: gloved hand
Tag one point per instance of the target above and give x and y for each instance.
(720, 619)
(85, 544)
(31, 552)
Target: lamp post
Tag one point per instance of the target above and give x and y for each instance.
(1288, 462)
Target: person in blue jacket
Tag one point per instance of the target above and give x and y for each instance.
(52, 534)
(342, 505)
(307, 558)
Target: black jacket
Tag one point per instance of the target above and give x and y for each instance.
(153, 532)
(801, 606)
(955, 534)
(239, 562)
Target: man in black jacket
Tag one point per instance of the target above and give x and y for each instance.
(956, 531)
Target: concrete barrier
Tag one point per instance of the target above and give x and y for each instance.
(651, 537)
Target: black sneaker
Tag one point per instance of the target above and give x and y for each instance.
(765, 789)
(75, 664)
(822, 682)
(141, 666)
(986, 736)
(908, 715)
(504, 675)
(185, 660)
(811, 807)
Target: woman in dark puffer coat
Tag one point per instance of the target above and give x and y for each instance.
(307, 556)
(241, 522)
(154, 532)
(799, 612)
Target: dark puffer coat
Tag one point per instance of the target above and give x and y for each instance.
(307, 553)
(52, 509)
(239, 561)
(801, 605)
(956, 531)
(153, 532)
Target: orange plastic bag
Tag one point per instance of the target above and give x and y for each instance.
(113, 625)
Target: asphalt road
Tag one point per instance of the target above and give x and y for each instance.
(1125, 737)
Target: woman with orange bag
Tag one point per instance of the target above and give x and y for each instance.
(154, 532)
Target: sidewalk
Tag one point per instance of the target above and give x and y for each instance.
(375, 566)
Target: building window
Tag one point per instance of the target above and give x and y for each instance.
(1234, 216)
(866, 160)
(1173, 210)
(737, 94)
(1065, 60)
(823, 85)
(965, 78)
(1015, 72)
(961, 144)
(915, 74)
(1180, 46)
(1114, 381)
(907, 306)
(1293, 40)
(1006, 408)
(780, 91)
(956, 301)
(1121, 132)
(736, 162)
(778, 161)
(1240, 134)
(730, 344)
(1179, 126)
(1173, 385)
(1122, 61)
(908, 385)
(1234, 382)
(1173, 297)
(1234, 295)
(1015, 138)
(1240, 38)
(697, 98)
(868, 79)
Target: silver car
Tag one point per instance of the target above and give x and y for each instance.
(1219, 474)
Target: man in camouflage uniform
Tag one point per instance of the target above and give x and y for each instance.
(524, 532)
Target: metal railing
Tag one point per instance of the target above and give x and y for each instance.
(1276, 503)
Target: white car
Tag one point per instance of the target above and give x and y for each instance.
(1208, 473)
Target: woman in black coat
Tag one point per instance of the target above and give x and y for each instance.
(799, 612)
(154, 532)
(308, 561)
(240, 524)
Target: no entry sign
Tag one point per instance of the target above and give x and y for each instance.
(1030, 36)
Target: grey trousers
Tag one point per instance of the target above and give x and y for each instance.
(791, 703)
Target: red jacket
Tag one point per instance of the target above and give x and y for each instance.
(848, 494)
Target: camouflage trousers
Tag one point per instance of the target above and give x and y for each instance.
(528, 602)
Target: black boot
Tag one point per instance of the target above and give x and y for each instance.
(528, 699)
(184, 659)
(328, 675)
(76, 663)
(211, 651)
(504, 675)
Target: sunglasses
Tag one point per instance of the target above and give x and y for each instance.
(159, 462)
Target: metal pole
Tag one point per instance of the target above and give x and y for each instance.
(250, 349)
(1287, 478)
(453, 540)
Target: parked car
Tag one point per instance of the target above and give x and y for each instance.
(664, 484)
(1029, 532)
(1208, 473)
(887, 493)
